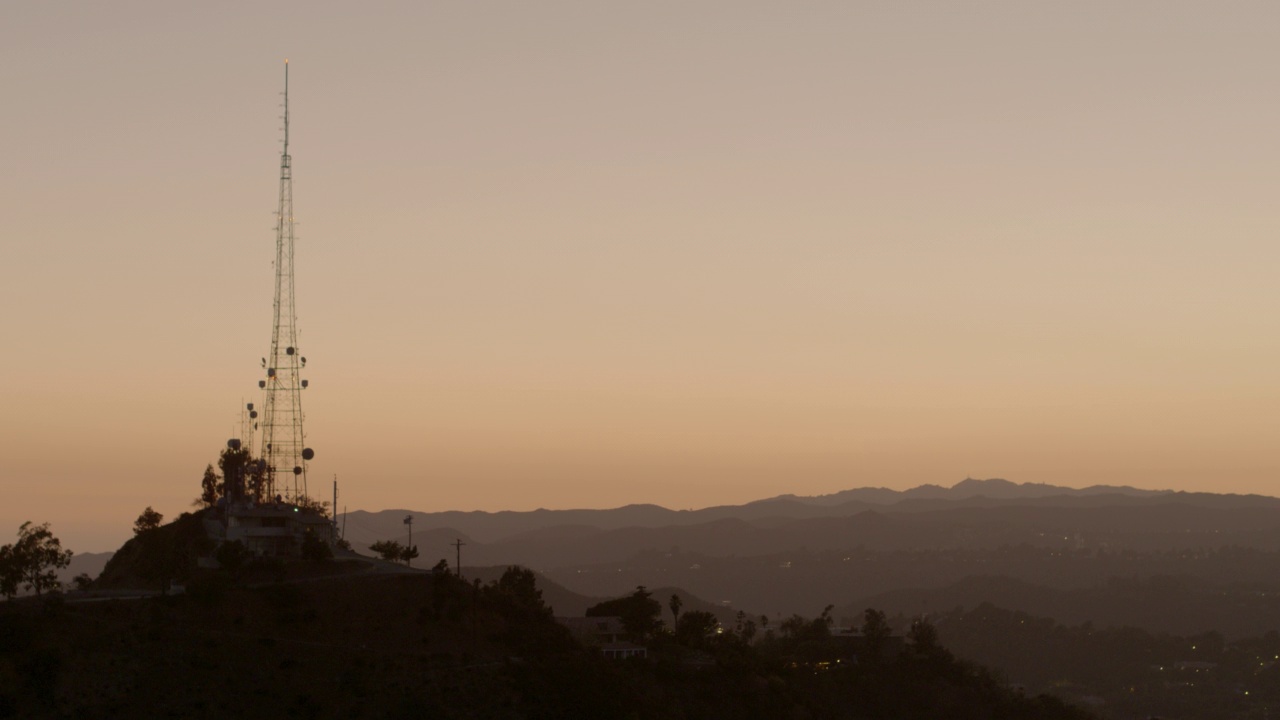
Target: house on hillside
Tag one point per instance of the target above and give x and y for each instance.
(606, 634)
(858, 646)
(267, 529)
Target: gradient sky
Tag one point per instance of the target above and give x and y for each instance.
(583, 254)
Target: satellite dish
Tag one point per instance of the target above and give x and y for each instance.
(308, 453)
(250, 406)
(304, 383)
(234, 443)
(253, 413)
(262, 383)
(297, 470)
(271, 372)
(288, 350)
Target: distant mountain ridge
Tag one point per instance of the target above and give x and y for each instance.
(996, 488)
(491, 527)
(793, 554)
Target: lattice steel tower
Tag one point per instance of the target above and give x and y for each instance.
(283, 447)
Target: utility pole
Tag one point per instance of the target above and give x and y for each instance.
(408, 520)
(457, 544)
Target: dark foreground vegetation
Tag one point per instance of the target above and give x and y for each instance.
(432, 645)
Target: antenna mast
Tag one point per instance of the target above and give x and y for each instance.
(283, 448)
(248, 426)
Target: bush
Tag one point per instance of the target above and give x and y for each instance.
(208, 589)
(233, 556)
(315, 549)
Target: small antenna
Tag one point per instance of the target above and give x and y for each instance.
(286, 107)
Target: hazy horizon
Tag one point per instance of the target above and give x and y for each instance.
(585, 255)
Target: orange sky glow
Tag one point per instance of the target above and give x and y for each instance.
(581, 254)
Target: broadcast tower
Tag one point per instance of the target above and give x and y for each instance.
(283, 447)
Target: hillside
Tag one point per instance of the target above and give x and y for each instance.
(1179, 605)
(1126, 672)
(430, 645)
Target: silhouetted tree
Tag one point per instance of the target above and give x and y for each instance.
(409, 554)
(308, 504)
(33, 561)
(255, 481)
(10, 572)
(923, 637)
(388, 549)
(393, 551)
(210, 488)
(236, 465)
(148, 520)
(804, 629)
(745, 627)
(876, 630)
(696, 627)
(675, 604)
(520, 585)
(243, 476)
(638, 611)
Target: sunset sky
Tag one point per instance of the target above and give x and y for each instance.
(584, 254)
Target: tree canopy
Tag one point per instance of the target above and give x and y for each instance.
(695, 627)
(32, 562)
(210, 488)
(639, 612)
(242, 475)
(394, 551)
(148, 520)
(875, 628)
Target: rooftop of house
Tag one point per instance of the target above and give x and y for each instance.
(593, 625)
